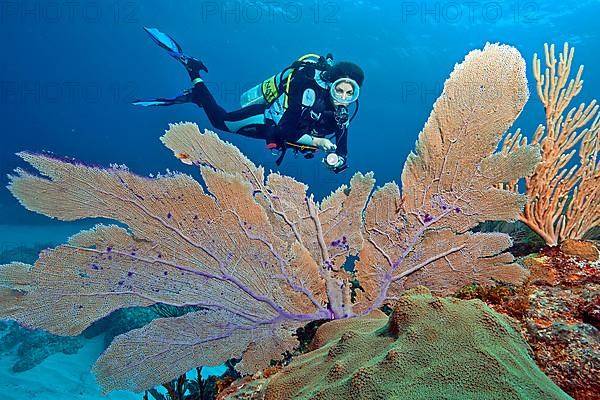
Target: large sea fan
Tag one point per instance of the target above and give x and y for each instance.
(258, 254)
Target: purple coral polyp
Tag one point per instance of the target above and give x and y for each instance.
(341, 243)
(427, 218)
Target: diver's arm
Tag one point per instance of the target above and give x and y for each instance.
(322, 143)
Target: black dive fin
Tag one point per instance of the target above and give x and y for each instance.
(185, 97)
(166, 42)
(174, 49)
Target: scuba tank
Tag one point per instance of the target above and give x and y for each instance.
(264, 93)
(271, 88)
(252, 96)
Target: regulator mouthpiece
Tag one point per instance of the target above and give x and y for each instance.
(341, 115)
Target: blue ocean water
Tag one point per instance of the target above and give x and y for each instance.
(69, 70)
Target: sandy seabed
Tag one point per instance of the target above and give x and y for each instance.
(58, 377)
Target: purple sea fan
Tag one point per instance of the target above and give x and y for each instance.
(265, 266)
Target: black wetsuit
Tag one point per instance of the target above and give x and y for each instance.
(317, 120)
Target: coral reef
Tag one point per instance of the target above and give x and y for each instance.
(558, 308)
(564, 294)
(257, 255)
(429, 348)
(580, 248)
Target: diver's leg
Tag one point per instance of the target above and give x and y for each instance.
(191, 64)
(246, 121)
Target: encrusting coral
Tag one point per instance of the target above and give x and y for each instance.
(559, 309)
(260, 256)
(429, 348)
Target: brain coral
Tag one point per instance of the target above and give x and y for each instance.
(430, 348)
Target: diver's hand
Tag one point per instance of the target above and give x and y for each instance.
(324, 144)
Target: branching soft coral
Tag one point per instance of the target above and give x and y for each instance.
(261, 256)
(564, 202)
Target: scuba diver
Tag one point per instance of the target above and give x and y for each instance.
(303, 108)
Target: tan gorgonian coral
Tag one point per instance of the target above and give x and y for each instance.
(564, 203)
(261, 256)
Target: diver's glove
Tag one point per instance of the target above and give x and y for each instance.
(324, 144)
(321, 143)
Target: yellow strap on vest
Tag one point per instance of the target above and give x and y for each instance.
(302, 147)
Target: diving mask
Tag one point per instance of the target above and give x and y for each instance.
(341, 96)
